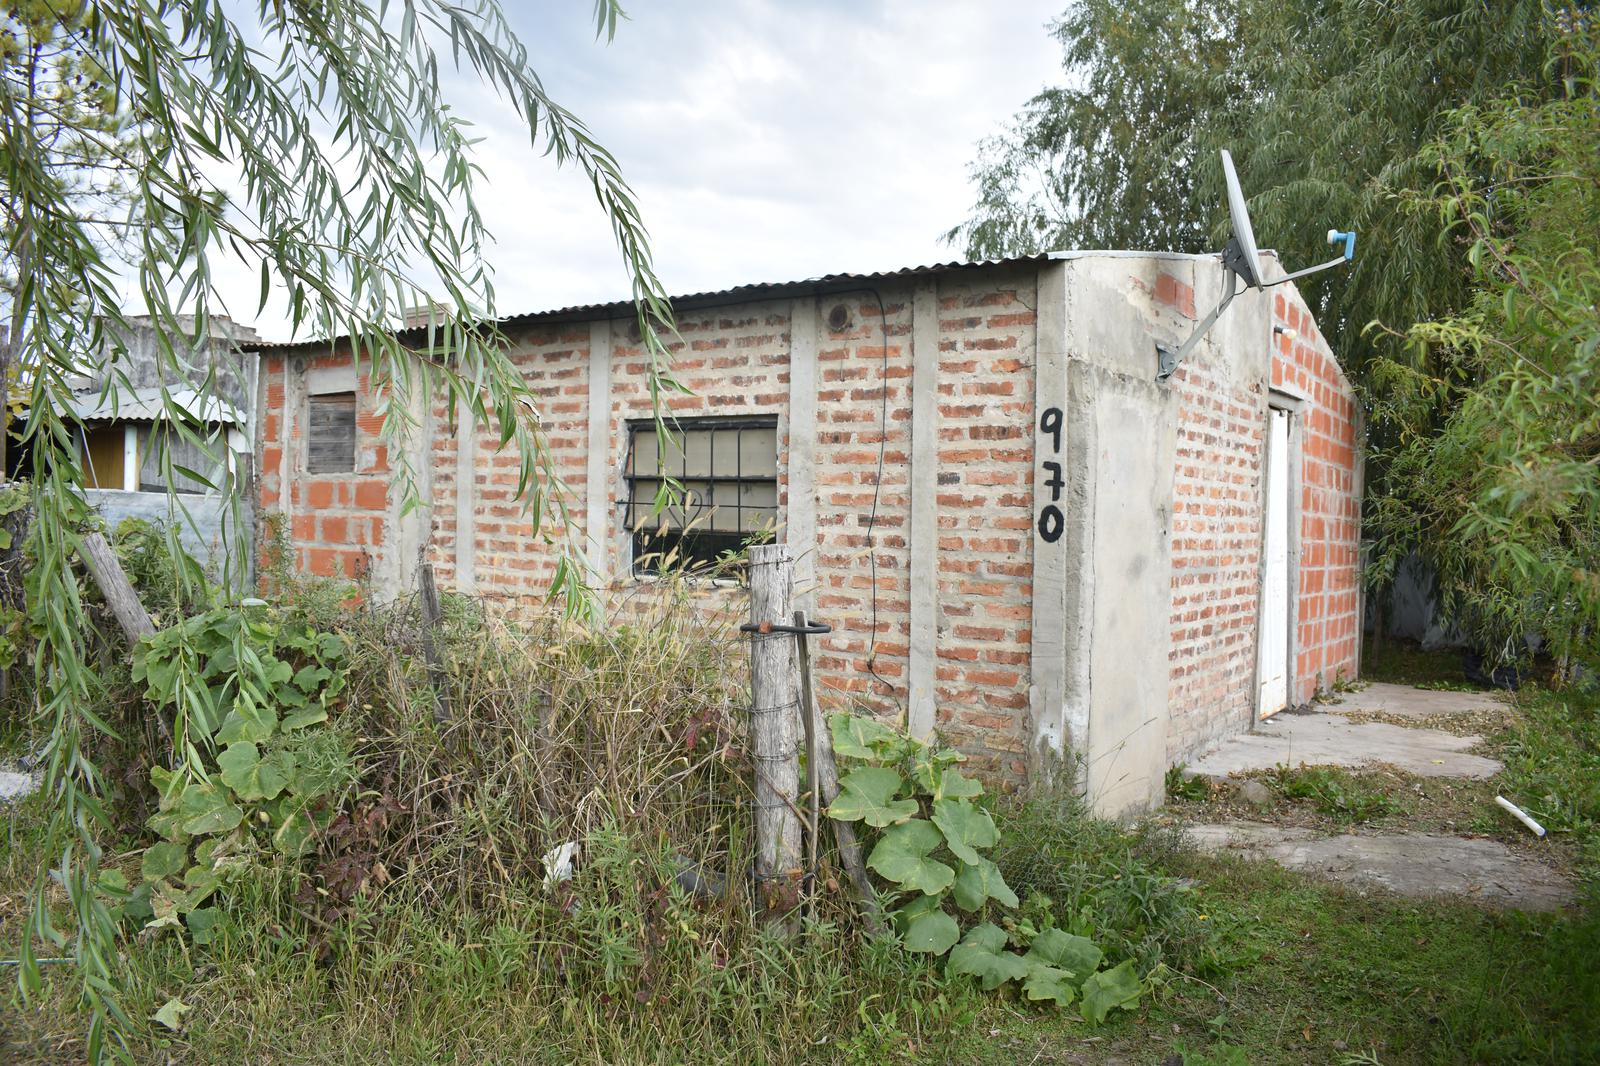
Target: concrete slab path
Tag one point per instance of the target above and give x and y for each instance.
(1407, 702)
(1323, 737)
(1412, 864)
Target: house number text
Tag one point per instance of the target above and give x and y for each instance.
(1051, 521)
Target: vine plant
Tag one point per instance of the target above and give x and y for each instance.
(932, 832)
(258, 688)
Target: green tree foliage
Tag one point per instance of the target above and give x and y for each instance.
(1324, 104)
(1490, 416)
(316, 144)
(69, 101)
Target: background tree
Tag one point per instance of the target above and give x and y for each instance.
(1490, 452)
(1324, 104)
(314, 143)
(64, 96)
(1333, 110)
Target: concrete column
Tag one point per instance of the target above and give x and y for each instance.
(1052, 732)
(398, 575)
(800, 517)
(130, 457)
(466, 498)
(597, 480)
(294, 399)
(924, 531)
(1121, 430)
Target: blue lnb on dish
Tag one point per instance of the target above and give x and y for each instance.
(1347, 238)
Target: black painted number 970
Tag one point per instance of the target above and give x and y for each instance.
(1052, 523)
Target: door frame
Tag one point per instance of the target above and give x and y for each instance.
(1292, 403)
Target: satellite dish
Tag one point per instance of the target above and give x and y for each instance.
(1243, 261)
(1247, 260)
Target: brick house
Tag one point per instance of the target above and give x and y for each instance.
(1065, 552)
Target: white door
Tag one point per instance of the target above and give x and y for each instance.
(1274, 628)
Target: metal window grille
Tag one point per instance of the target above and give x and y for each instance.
(727, 470)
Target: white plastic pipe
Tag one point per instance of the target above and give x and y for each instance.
(1520, 815)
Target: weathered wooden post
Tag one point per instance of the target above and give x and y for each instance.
(774, 735)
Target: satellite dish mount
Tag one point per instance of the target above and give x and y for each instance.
(1243, 262)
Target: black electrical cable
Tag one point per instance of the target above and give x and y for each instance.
(877, 489)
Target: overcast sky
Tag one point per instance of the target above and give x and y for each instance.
(766, 140)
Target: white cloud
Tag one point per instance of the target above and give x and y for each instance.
(766, 140)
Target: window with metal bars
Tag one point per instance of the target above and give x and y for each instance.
(727, 469)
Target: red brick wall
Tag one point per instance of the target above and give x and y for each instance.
(1330, 503)
(986, 518)
(1216, 543)
(1217, 525)
(735, 361)
(336, 523)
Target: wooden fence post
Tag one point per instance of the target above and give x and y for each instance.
(774, 735)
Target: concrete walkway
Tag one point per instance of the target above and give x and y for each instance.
(1323, 737)
(1412, 864)
(1415, 864)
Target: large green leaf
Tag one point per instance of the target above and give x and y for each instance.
(163, 860)
(982, 954)
(292, 835)
(979, 882)
(1109, 989)
(206, 808)
(965, 828)
(250, 775)
(867, 794)
(950, 783)
(934, 932)
(300, 719)
(169, 786)
(250, 721)
(986, 935)
(902, 856)
(1078, 954)
(855, 737)
(202, 923)
(1047, 982)
(929, 764)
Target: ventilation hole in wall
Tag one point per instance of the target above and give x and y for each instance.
(839, 318)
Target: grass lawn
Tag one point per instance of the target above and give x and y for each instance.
(1305, 972)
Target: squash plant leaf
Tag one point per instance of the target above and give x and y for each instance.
(1108, 990)
(1047, 982)
(978, 882)
(867, 794)
(1075, 953)
(206, 808)
(965, 828)
(902, 856)
(982, 954)
(248, 720)
(855, 737)
(934, 932)
(251, 776)
(163, 860)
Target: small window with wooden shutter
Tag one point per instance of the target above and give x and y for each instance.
(331, 434)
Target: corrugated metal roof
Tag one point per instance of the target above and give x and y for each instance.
(147, 405)
(736, 294)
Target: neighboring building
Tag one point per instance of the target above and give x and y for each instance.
(132, 451)
(1065, 552)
